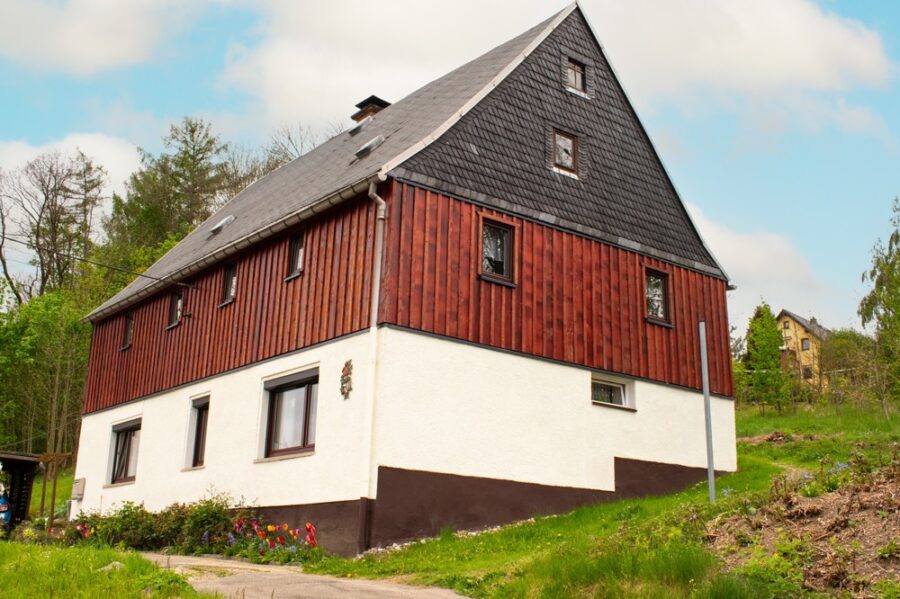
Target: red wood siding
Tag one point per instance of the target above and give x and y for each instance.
(575, 299)
(268, 317)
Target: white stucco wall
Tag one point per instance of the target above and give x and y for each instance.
(235, 439)
(442, 406)
(460, 409)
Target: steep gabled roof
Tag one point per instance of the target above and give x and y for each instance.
(495, 102)
(810, 325)
(332, 172)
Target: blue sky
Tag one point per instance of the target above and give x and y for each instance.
(779, 120)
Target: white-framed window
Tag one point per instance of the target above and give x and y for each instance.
(126, 441)
(610, 393)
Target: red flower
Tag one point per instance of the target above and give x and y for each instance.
(280, 540)
(311, 540)
(271, 544)
(261, 534)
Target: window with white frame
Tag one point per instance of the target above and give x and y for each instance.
(126, 440)
(605, 392)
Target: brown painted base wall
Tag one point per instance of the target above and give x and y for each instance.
(412, 504)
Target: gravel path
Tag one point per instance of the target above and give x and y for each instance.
(237, 579)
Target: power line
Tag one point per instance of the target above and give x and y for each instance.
(28, 244)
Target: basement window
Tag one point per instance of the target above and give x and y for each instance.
(657, 296)
(295, 255)
(565, 152)
(575, 75)
(229, 284)
(125, 451)
(176, 308)
(609, 393)
(497, 241)
(128, 332)
(807, 373)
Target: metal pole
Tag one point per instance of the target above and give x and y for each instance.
(704, 369)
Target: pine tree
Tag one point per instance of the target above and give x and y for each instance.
(765, 381)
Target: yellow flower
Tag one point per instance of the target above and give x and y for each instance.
(270, 528)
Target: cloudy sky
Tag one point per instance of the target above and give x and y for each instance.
(778, 120)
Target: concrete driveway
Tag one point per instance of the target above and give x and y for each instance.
(238, 579)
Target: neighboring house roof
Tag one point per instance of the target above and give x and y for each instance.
(619, 204)
(810, 325)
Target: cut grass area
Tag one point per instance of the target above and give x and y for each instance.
(63, 492)
(604, 551)
(28, 571)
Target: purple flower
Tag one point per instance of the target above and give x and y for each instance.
(206, 537)
(231, 539)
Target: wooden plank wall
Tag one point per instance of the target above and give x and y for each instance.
(575, 300)
(269, 316)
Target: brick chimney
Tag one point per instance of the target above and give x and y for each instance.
(368, 107)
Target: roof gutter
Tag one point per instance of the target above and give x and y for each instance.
(346, 193)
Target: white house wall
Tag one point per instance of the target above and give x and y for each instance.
(235, 439)
(457, 408)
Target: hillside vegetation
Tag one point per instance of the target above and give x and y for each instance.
(675, 546)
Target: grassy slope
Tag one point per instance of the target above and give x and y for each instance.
(63, 492)
(582, 553)
(28, 571)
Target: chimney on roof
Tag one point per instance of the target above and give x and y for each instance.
(813, 321)
(368, 107)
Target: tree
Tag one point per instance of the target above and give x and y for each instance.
(765, 382)
(50, 202)
(881, 308)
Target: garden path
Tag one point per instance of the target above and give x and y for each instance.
(231, 578)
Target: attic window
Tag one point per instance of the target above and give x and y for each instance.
(787, 324)
(565, 152)
(128, 333)
(575, 75)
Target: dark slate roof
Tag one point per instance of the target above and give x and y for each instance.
(482, 127)
(331, 167)
(810, 325)
(499, 153)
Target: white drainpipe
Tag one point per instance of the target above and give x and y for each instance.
(368, 480)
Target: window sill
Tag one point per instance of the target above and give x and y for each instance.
(227, 302)
(292, 276)
(567, 173)
(577, 92)
(125, 348)
(173, 325)
(659, 323)
(603, 404)
(498, 280)
(192, 468)
(302, 453)
(121, 483)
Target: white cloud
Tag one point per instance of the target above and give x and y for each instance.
(314, 58)
(84, 37)
(766, 266)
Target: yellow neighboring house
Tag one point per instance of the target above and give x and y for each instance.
(801, 349)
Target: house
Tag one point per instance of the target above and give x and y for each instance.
(479, 304)
(801, 350)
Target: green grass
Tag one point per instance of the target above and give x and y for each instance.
(63, 492)
(605, 550)
(28, 571)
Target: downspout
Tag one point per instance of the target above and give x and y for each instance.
(368, 488)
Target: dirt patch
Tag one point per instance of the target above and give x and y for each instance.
(844, 541)
(776, 438)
